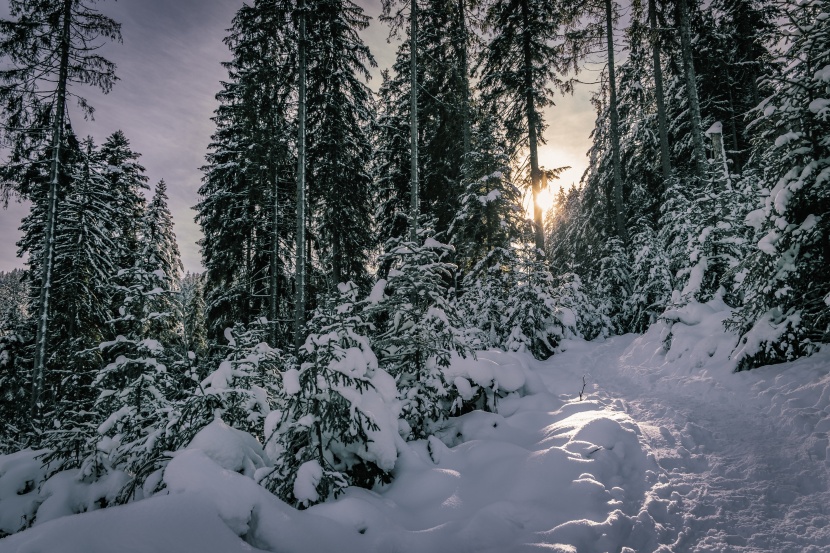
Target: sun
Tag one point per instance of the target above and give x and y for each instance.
(546, 200)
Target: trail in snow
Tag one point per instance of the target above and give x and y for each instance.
(735, 475)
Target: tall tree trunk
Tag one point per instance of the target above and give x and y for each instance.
(662, 122)
(415, 200)
(691, 86)
(273, 284)
(42, 336)
(465, 80)
(532, 124)
(619, 208)
(299, 308)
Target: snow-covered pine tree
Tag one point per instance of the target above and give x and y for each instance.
(161, 257)
(240, 390)
(339, 146)
(47, 48)
(418, 329)
(336, 420)
(651, 279)
(490, 215)
(246, 207)
(137, 387)
(784, 281)
(539, 314)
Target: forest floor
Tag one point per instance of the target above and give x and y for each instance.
(667, 450)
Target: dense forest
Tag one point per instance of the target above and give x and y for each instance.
(357, 243)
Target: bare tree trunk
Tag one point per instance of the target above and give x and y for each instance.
(465, 80)
(299, 307)
(691, 86)
(273, 288)
(415, 199)
(662, 122)
(533, 139)
(42, 336)
(619, 208)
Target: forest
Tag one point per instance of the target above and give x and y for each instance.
(362, 248)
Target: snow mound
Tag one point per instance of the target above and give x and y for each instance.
(545, 471)
(230, 448)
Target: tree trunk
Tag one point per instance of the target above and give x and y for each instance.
(619, 208)
(415, 200)
(665, 159)
(691, 86)
(299, 307)
(42, 336)
(273, 284)
(532, 124)
(465, 81)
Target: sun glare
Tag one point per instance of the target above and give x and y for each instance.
(546, 199)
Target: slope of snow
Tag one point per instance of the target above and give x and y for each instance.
(669, 451)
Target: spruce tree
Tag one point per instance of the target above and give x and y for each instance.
(522, 66)
(246, 207)
(339, 146)
(48, 47)
(784, 280)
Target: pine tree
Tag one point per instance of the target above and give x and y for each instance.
(337, 413)
(49, 46)
(490, 215)
(161, 257)
(521, 67)
(784, 280)
(418, 329)
(339, 147)
(246, 208)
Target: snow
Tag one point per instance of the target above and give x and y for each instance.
(308, 477)
(376, 295)
(229, 448)
(716, 128)
(669, 450)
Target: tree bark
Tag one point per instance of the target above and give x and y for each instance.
(273, 284)
(415, 200)
(42, 336)
(465, 81)
(662, 123)
(299, 302)
(619, 208)
(532, 128)
(691, 86)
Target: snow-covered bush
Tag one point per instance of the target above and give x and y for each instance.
(538, 315)
(336, 421)
(418, 329)
(512, 301)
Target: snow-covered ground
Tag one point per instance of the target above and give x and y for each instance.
(667, 451)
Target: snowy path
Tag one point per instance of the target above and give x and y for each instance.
(669, 452)
(733, 477)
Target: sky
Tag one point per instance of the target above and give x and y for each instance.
(169, 67)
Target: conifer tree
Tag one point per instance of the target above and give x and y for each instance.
(419, 329)
(521, 67)
(339, 147)
(784, 280)
(246, 208)
(48, 46)
(336, 413)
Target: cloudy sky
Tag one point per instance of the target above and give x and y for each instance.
(169, 70)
